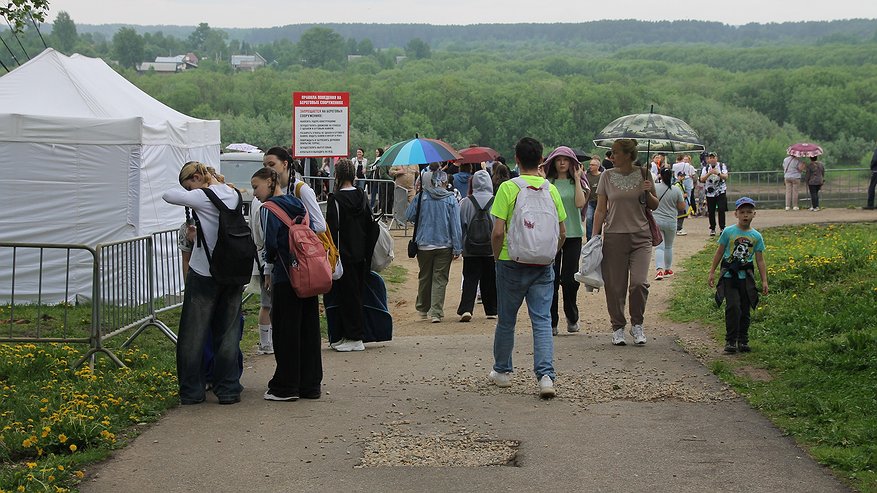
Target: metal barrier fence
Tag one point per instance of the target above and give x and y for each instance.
(40, 326)
(132, 281)
(843, 187)
(384, 197)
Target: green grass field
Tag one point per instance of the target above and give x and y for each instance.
(814, 340)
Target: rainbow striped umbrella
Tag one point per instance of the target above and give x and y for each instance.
(418, 151)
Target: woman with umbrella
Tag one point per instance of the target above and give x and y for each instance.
(627, 241)
(792, 168)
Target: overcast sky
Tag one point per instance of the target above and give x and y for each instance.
(268, 13)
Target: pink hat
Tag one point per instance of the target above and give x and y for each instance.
(563, 151)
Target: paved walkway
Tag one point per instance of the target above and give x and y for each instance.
(417, 414)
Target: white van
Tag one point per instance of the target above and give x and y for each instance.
(238, 169)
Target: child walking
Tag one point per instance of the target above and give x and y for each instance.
(738, 245)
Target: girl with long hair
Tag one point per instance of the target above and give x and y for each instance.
(562, 168)
(354, 232)
(208, 306)
(295, 321)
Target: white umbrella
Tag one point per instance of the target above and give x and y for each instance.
(243, 147)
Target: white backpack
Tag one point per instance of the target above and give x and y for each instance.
(534, 226)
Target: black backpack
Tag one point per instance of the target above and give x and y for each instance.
(479, 231)
(232, 259)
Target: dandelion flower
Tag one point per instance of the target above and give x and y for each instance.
(73, 447)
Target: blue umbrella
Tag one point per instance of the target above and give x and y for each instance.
(418, 151)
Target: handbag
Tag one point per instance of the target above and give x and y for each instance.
(412, 243)
(657, 236)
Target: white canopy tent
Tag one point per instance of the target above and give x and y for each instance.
(84, 158)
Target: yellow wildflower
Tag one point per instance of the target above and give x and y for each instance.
(73, 447)
(62, 438)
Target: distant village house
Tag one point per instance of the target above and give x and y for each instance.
(170, 64)
(248, 62)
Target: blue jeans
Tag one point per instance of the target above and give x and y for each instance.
(536, 285)
(589, 220)
(214, 307)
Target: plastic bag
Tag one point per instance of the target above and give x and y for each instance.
(590, 272)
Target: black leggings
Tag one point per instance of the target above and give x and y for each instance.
(814, 195)
(566, 264)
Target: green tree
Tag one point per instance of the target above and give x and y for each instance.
(320, 47)
(64, 32)
(198, 37)
(128, 47)
(18, 12)
(366, 48)
(215, 45)
(417, 49)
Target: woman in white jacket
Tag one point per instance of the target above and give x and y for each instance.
(207, 304)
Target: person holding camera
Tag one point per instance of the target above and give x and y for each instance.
(713, 175)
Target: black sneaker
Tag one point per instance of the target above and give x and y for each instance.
(234, 399)
(730, 348)
(744, 348)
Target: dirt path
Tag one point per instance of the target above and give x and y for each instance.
(417, 414)
(592, 306)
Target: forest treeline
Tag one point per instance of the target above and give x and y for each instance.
(604, 32)
(748, 103)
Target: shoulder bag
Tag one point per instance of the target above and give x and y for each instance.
(412, 243)
(657, 236)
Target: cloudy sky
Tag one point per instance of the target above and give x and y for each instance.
(267, 13)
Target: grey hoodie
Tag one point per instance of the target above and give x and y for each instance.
(482, 192)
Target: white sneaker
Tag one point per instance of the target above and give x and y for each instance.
(618, 337)
(436, 320)
(339, 341)
(796, 208)
(348, 346)
(572, 327)
(266, 349)
(787, 208)
(638, 336)
(422, 316)
(500, 379)
(546, 387)
(465, 317)
(681, 232)
(491, 317)
(271, 397)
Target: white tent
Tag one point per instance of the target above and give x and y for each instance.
(84, 158)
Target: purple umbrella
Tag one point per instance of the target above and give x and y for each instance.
(804, 149)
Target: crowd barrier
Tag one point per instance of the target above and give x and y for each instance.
(386, 199)
(843, 187)
(132, 282)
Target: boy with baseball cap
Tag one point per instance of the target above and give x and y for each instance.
(738, 245)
